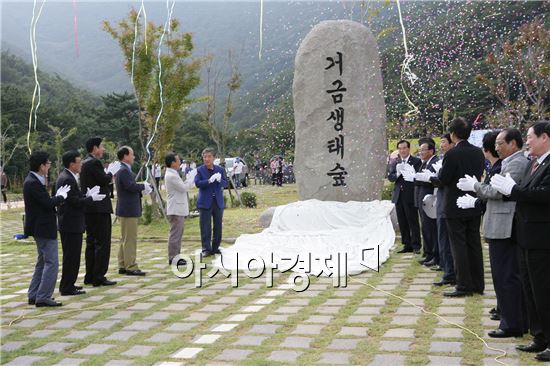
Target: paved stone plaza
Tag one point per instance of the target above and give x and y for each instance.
(163, 320)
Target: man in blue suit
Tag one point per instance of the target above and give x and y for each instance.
(210, 180)
(128, 210)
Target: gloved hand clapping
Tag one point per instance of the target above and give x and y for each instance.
(62, 191)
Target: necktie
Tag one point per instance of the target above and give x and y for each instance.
(534, 167)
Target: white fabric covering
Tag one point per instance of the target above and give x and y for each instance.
(322, 229)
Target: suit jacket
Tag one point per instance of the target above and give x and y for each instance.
(499, 214)
(402, 188)
(70, 215)
(421, 189)
(207, 191)
(463, 159)
(129, 193)
(40, 217)
(92, 174)
(177, 202)
(532, 198)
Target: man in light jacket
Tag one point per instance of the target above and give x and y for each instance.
(177, 206)
(499, 231)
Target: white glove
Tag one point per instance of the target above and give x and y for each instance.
(62, 191)
(408, 176)
(503, 184)
(113, 168)
(219, 177)
(91, 192)
(437, 166)
(466, 202)
(214, 177)
(467, 183)
(191, 175)
(98, 197)
(147, 188)
(399, 169)
(424, 176)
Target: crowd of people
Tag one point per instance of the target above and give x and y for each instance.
(82, 202)
(440, 202)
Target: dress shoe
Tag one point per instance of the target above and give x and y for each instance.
(405, 250)
(416, 251)
(531, 347)
(422, 260)
(121, 271)
(47, 303)
(217, 252)
(135, 272)
(104, 283)
(181, 262)
(444, 282)
(206, 254)
(495, 317)
(33, 301)
(436, 268)
(544, 355)
(458, 293)
(78, 287)
(493, 311)
(430, 263)
(73, 293)
(501, 333)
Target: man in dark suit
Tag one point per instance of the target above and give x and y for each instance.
(211, 181)
(463, 224)
(532, 221)
(128, 210)
(402, 174)
(40, 223)
(423, 188)
(71, 222)
(97, 214)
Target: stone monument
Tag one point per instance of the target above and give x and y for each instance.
(340, 114)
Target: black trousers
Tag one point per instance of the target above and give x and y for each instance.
(98, 246)
(504, 258)
(206, 215)
(72, 249)
(429, 233)
(534, 268)
(467, 255)
(407, 218)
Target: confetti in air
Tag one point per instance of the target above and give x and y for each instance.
(261, 28)
(170, 10)
(34, 55)
(405, 67)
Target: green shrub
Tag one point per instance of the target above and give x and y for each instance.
(387, 191)
(147, 215)
(193, 203)
(249, 199)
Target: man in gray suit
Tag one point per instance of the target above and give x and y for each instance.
(498, 230)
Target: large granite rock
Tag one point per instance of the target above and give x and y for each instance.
(340, 114)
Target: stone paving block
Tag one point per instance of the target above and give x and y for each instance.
(296, 342)
(361, 319)
(444, 360)
(119, 363)
(507, 361)
(308, 329)
(40, 333)
(70, 362)
(284, 356)
(177, 307)
(250, 340)
(121, 336)
(103, 324)
(197, 316)
(404, 320)
(395, 345)
(334, 358)
(80, 334)
(289, 309)
(445, 346)
(160, 315)
(321, 319)
(12, 346)
(142, 325)
(207, 339)
(233, 355)
(353, 331)
(447, 333)
(187, 352)
(180, 327)
(264, 329)
(454, 319)
(54, 347)
(162, 337)
(277, 318)
(328, 310)
(25, 361)
(237, 317)
(388, 359)
(224, 327)
(343, 344)
(27, 323)
(510, 348)
(94, 349)
(124, 314)
(138, 351)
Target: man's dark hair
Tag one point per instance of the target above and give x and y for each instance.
(169, 159)
(541, 127)
(404, 141)
(447, 137)
(489, 140)
(70, 157)
(94, 141)
(429, 141)
(122, 152)
(36, 159)
(513, 134)
(461, 128)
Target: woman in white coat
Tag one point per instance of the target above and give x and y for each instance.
(177, 207)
